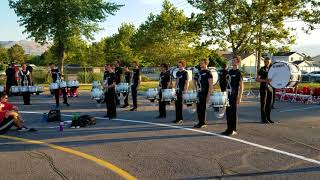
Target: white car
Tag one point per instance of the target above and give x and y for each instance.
(249, 79)
(314, 74)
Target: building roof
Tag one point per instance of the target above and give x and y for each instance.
(285, 54)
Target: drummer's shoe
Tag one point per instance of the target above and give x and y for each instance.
(26, 104)
(229, 133)
(265, 122)
(133, 109)
(270, 121)
(124, 106)
(200, 126)
(178, 121)
(66, 103)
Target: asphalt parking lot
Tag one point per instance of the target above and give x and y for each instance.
(136, 145)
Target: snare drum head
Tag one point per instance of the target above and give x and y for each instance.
(215, 75)
(281, 73)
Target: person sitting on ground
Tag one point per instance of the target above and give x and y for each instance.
(7, 110)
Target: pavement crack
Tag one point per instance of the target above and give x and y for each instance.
(45, 156)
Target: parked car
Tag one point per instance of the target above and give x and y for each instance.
(314, 74)
(249, 79)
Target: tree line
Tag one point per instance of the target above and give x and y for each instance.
(240, 25)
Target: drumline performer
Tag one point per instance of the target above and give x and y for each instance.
(56, 78)
(25, 80)
(182, 84)
(235, 90)
(204, 87)
(127, 78)
(136, 79)
(118, 72)
(110, 94)
(164, 82)
(223, 78)
(266, 92)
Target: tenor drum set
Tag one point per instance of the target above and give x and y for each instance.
(24, 89)
(71, 87)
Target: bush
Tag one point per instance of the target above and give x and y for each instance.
(40, 76)
(89, 77)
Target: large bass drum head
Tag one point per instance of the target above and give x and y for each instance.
(280, 75)
(215, 75)
(174, 72)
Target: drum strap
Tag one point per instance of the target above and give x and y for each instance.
(229, 87)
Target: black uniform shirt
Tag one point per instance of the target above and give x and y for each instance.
(11, 75)
(223, 78)
(203, 84)
(118, 73)
(235, 77)
(30, 69)
(135, 78)
(263, 73)
(105, 74)
(110, 79)
(182, 76)
(56, 75)
(127, 77)
(24, 78)
(164, 79)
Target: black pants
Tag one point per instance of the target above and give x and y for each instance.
(201, 107)
(26, 98)
(179, 106)
(266, 103)
(134, 93)
(64, 94)
(110, 98)
(162, 106)
(6, 124)
(232, 115)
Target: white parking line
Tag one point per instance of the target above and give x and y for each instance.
(300, 109)
(208, 133)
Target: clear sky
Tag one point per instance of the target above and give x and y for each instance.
(134, 11)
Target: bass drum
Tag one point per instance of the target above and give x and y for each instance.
(215, 75)
(173, 72)
(283, 74)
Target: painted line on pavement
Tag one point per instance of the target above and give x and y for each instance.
(101, 162)
(208, 133)
(300, 109)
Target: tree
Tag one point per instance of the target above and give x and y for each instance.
(3, 55)
(58, 20)
(164, 38)
(16, 54)
(119, 46)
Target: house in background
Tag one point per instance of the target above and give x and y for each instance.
(248, 62)
(287, 57)
(306, 66)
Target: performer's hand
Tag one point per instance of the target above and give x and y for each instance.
(269, 80)
(238, 100)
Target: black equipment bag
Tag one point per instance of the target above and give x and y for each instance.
(54, 115)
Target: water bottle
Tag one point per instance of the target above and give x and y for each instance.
(61, 125)
(44, 117)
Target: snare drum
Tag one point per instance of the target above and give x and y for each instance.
(168, 95)
(73, 83)
(54, 86)
(97, 94)
(96, 84)
(219, 99)
(15, 89)
(283, 74)
(152, 94)
(63, 84)
(122, 88)
(24, 89)
(1, 88)
(40, 89)
(190, 97)
(32, 89)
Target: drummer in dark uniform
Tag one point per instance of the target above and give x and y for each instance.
(110, 95)
(266, 91)
(118, 72)
(164, 82)
(11, 79)
(25, 80)
(235, 90)
(181, 86)
(127, 78)
(56, 78)
(204, 87)
(223, 78)
(136, 79)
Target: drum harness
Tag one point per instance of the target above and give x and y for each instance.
(25, 79)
